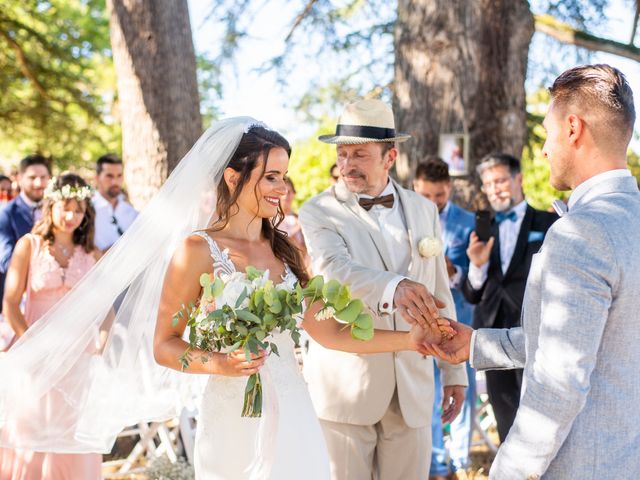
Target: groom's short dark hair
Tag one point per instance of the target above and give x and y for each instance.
(602, 91)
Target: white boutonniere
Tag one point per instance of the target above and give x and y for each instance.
(430, 247)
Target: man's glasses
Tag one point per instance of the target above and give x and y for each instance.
(498, 182)
(118, 228)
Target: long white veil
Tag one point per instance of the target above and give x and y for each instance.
(64, 394)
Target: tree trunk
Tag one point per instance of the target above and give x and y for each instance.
(157, 87)
(460, 67)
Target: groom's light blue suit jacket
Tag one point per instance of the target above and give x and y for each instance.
(579, 346)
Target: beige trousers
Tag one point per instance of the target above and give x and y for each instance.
(388, 450)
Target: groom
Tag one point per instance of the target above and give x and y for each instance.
(578, 415)
(375, 410)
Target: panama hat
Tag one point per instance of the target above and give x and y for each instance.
(365, 121)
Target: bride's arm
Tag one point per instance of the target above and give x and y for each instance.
(182, 288)
(332, 334)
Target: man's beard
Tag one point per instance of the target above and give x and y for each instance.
(502, 205)
(35, 196)
(114, 192)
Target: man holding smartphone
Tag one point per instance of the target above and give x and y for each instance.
(499, 268)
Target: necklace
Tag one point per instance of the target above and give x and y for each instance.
(65, 251)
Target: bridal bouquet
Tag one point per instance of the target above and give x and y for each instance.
(244, 310)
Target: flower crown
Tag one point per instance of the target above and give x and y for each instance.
(66, 192)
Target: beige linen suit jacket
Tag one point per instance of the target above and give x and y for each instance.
(347, 244)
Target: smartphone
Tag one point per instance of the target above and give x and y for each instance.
(483, 225)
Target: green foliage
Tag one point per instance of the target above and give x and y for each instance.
(633, 162)
(209, 87)
(310, 165)
(57, 80)
(535, 168)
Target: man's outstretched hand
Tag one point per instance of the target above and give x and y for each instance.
(432, 334)
(453, 350)
(416, 304)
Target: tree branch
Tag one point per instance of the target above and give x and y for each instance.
(567, 34)
(301, 16)
(24, 64)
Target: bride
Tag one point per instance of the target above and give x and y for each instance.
(236, 169)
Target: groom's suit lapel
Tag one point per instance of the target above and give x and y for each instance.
(350, 202)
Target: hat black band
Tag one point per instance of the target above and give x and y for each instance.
(365, 132)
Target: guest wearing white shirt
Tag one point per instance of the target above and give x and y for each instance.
(114, 215)
(499, 268)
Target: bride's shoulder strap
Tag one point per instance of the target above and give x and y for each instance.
(221, 261)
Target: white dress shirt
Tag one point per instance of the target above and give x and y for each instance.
(394, 227)
(509, 231)
(106, 228)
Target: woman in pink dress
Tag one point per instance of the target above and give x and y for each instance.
(46, 264)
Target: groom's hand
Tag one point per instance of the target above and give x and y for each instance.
(453, 350)
(419, 336)
(416, 304)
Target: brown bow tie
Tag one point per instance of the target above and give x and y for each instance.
(367, 203)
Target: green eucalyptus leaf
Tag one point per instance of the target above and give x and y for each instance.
(316, 283)
(351, 311)
(217, 287)
(259, 299)
(205, 280)
(343, 297)
(242, 297)
(269, 319)
(270, 296)
(275, 307)
(253, 273)
(247, 316)
(260, 335)
(251, 382)
(330, 290)
(364, 321)
(361, 334)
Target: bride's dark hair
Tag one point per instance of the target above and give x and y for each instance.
(256, 144)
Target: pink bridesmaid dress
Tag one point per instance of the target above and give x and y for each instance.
(47, 283)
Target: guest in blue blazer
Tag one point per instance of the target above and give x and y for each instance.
(432, 181)
(17, 217)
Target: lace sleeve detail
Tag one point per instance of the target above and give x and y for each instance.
(222, 264)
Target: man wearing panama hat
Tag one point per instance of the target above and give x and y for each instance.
(375, 410)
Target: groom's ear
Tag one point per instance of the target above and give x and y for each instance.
(231, 178)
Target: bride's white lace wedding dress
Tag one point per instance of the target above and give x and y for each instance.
(226, 443)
